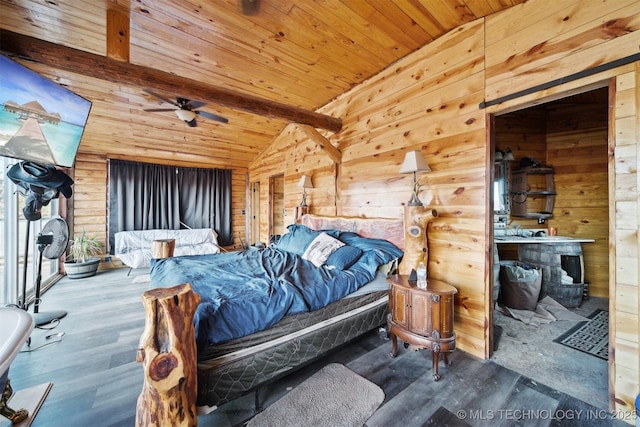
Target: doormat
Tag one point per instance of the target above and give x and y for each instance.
(590, 337)
(334, 396)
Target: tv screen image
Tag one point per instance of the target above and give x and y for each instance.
(40, 121)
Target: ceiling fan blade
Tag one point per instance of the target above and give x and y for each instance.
(158, 110)
(212, 116)
(192, 123)
(160, 97)
(192, 105)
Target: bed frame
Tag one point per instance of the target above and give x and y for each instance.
(226, 377)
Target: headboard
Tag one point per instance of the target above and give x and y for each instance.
(376, 228)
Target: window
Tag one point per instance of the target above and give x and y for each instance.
(13, 241)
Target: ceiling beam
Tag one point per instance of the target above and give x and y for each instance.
(118, 33)
(101, 67)
(322, 142)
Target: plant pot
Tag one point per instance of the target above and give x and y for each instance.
(79, 270)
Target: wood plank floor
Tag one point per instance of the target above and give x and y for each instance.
(96, 380)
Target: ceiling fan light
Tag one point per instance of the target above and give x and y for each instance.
(186, 115)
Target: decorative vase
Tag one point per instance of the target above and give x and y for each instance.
(79, 270)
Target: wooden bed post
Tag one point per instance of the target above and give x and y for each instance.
(167, 352)
(416, 248)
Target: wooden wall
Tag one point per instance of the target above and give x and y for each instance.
(624, 212)
(430, 101)
(577, 148)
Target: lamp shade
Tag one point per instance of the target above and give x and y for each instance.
(414, 162)
(186, 115)
(508, 155)
(305, 182)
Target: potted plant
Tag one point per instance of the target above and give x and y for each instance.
(81, 250)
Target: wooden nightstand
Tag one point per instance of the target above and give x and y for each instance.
(422, 317)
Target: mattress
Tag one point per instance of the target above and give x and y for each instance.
(227, 371)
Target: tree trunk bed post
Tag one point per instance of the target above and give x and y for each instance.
(416, 239)
(167, 352)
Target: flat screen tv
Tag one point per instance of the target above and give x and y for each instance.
(40, 121)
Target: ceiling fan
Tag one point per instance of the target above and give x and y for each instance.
(187, 109)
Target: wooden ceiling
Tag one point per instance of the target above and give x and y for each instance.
(296, 53)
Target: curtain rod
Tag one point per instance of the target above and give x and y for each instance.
(589, 72)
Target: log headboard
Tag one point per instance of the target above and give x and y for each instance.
(376, 228)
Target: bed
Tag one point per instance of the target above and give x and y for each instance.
(307, 298)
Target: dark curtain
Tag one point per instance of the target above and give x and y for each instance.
(144, 196)
(206, 200)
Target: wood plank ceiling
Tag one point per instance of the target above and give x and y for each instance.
(301, 53)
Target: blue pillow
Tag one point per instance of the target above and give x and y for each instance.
(383, 250)
(344, 257)
(297, 239)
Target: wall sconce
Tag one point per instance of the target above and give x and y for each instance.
(305, 182)
(414, 162)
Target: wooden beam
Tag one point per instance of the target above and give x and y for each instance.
(318, 139)
(97, 66)
(118, 30)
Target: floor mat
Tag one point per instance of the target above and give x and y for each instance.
(591, 337)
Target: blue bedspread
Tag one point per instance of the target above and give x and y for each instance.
(245, 292)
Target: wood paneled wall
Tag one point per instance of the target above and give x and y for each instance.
(577, 148)
(624, 212)
(430, 101)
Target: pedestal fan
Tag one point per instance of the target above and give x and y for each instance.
(52, 243)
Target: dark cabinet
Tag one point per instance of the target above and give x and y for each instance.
(422, 317)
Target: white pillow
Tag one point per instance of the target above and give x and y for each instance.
(320, 248)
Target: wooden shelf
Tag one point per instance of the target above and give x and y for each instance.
(533, 192)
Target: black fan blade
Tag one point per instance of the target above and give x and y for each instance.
(158, 110)
(192, 105)
(162, 98)
(193, 123)
(212, 116)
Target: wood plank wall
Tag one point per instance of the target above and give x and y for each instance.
(577, 148)
(624, 320)
(430, 101)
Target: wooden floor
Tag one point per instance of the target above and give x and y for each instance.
(96, 380)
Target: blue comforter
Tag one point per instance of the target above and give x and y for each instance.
(245, 292)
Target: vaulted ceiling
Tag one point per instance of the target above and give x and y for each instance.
(264, 66)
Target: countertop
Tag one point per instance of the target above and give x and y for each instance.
(542, 239)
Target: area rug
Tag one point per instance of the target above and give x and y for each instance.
(334, 396)
(591, 337)
(30, 399)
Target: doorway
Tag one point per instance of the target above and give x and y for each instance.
(571, 136)
(255, 212)
(276, 202)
